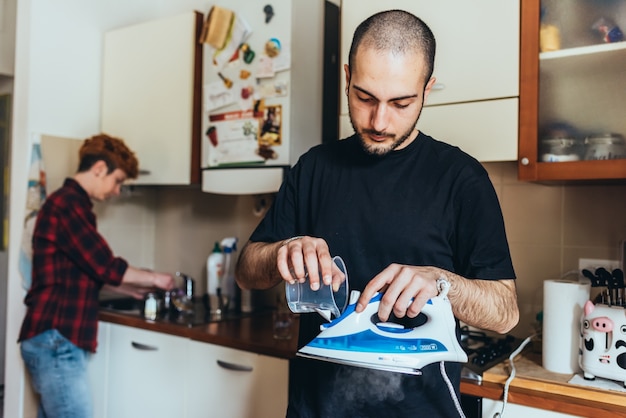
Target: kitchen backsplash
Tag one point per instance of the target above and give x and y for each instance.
(549, 228)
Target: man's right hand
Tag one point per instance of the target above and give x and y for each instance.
(305, 257)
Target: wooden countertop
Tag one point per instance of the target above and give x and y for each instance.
(250, 333)
(536, 387)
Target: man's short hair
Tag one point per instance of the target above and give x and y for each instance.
(397, 31)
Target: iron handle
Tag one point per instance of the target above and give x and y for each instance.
(235, 367)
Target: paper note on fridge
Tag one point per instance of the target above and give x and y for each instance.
(217, 95)
(233, 138)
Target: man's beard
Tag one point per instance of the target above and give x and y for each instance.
(379, 149)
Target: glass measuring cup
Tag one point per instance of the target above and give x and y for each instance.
(302, 299)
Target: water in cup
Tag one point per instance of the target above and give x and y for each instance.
(302, 299)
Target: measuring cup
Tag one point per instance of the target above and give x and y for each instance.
(302, 299)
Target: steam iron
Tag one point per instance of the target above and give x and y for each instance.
(402, 345)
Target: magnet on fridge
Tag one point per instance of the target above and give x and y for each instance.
(211, 133)
(248, 53)
(272, 47)
(269, 12)
(246, 92)
(227, 82)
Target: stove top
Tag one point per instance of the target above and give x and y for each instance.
(484, 352)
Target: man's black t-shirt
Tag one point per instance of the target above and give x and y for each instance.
(427, 204)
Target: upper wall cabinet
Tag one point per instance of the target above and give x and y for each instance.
(474, 103)
(152, 77)
(572, 93)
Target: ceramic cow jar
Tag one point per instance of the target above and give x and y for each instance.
(603, 342)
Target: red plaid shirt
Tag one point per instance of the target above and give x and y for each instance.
(71, 262)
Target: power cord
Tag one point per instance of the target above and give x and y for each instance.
(443, 286)
(512, 374)
(455, 399)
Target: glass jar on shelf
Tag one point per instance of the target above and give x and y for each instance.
(610, 146)
(560, 150)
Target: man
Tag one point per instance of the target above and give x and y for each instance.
(403, 210)
(71, 263)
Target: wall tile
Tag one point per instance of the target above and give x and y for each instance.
(594, 215)
(532, 213)
(188, 224)
(571, 254)
(533, 265)
(127, 223)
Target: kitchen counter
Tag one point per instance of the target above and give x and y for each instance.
(533, 385)
(536, 387)
(250, 333)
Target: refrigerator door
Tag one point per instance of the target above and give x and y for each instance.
(247, 86)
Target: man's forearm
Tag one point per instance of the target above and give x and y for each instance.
(486, 304)
(256, 266)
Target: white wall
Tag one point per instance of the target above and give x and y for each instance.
(57, 92)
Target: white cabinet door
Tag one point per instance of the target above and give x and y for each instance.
(148, 95)
(146, 373)
(60, 159)
(97, 368)
(228, 383)
(486, 130)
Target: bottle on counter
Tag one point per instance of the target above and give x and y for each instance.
(228, 286)
(151, 306)
(215, 270)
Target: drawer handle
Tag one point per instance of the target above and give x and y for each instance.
(143, 347)
(438, 87)
(236, 367)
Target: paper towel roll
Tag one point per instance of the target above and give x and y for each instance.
(563, 303)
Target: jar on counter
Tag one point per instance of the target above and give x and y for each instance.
(605, 147)
(560, 149)
(151, 306)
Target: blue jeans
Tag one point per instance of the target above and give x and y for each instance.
(58, 371)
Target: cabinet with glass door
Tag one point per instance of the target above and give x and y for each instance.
(572, 90)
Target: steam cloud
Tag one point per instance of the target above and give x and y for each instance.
(361, 386)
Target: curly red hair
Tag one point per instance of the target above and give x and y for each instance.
(112, 151)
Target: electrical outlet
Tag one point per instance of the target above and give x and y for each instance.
(592, 264)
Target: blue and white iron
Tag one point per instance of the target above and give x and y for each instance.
(402, 345)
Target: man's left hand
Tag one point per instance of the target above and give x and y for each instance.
(406, 290)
